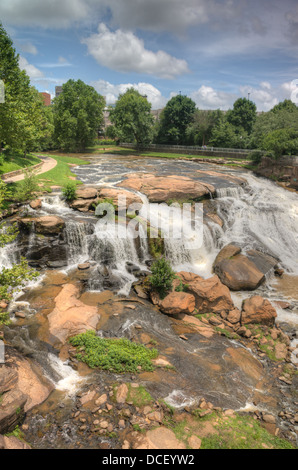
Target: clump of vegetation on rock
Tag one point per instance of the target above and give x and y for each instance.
(162, 276)
(115, 355)
(69, 191)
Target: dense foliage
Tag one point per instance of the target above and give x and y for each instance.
(24, 120)
(69, 191)
(177, 115)
(78, 115)
(162, 276)
(132, 118)
(115, 355)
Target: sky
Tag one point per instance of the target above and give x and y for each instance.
(213, 51)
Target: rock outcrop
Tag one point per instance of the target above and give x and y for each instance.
(236, 270)
(165, 188)
(71, 316)
(210, 294)
(177, 303)
(256, 309)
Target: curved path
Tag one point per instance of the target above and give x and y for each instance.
(48, 164)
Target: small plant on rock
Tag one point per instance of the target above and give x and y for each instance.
(69, 191)
(162, 276)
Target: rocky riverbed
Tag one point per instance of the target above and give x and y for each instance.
(225, 352)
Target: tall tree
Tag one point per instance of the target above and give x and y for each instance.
(175, 117)
(78, 115)
(200, 130)
(132, 118)
(243, 114)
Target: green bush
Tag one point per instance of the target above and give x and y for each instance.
(28, 187)
(115, 355)
(69, 191)
(256, 156)
(162, 276)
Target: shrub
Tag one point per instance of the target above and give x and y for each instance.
(28, 187)
(69, 191)
(115, 355)
(162, 276)
(256, 156)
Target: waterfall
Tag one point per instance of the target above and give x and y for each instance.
(264, 216)
(76, 235)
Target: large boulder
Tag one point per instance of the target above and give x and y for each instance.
(164, 188)
(114, 194)
(159, 438)
(210, 294)
(83, 205)
(237, 271)
(71, 316)
(86, 193)
(177, 303)
(256, 309)
(45, 225)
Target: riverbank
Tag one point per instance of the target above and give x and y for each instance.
(213, 373)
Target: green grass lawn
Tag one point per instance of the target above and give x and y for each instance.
(17, 162)
(61, 174)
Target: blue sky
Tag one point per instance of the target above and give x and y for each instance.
(213, 51)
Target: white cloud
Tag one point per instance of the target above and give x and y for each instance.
(125, 52)
(27, 47)
(207, 97)
(33, 72)
(111, 92)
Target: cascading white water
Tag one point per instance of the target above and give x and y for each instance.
(77, 242)
(264, 216)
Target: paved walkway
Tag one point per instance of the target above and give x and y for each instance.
(48, 164)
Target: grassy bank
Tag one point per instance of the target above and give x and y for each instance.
(61, 174)
(17, 162)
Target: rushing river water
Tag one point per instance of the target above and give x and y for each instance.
(257, 215)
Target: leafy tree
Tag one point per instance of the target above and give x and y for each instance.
(243, 114)
(277, 129)
(78, 114)
(200, 130)
(23, 119)
(174, 120)
(225, 135)
(162, 276)
(132, 118)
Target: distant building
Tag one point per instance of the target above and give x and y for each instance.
(58, 91)
(46, 98)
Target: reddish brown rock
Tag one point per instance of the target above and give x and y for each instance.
(86, 193)
(210, 294)
(36, 204)
(71, 316)
(12, 442)
(234, 316)
(178, 302)
(256, 309)
(48, 224)
(159, 438)
(239, 273)
(83, 205)
(114, 194)
(227, 252)
(163, 188)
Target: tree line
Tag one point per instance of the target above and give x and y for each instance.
(73, 122)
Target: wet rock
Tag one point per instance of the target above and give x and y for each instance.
(122, 393)
(48, 224)
(11, 410)
(87, 397)
(36, 204)
(83, 266)
(86, 193)
(164, 188)
(114, 194)
(227, 252)
(8, 379)
(71, 316)
(82, 205)
(159, 438)
(177, 303)
(210, 294)
(256, 309)
(238, 273)
(12, 442)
